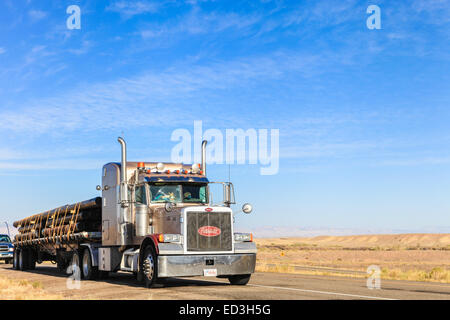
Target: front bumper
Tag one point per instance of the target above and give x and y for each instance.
(194, 265)
(8, 255)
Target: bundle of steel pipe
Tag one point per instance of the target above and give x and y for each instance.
(94, 203)
(79, 217)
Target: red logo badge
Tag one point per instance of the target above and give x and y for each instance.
(209, 231)
(208, 209)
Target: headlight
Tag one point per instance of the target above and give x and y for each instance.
(243, 237)
(169, 238)
(11, 249)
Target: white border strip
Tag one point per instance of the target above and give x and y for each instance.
(322, 292)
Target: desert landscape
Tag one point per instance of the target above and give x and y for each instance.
(412, 257)
(416, 257)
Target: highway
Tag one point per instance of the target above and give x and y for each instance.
(262, 286)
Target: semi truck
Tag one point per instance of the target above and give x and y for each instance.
(154, 220)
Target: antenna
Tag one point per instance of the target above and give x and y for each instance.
(7, 227)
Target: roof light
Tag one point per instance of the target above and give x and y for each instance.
(167, 171)
(141, 165)
(160, 166)
(195, 168)
(177, 171)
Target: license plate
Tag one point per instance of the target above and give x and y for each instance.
(210, 272)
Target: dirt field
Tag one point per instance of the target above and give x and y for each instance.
(418, 257)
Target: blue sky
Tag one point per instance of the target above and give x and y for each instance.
(363, 114)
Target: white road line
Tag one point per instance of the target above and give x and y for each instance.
(322, 292)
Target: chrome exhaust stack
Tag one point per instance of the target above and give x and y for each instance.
(123, 174)
(204, 142)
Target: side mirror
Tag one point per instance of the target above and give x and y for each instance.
(247, 208)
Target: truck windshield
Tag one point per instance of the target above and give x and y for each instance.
(188, 193)
(4, 238)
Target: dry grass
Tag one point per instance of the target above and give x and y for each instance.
(416, 257)
(24, 290)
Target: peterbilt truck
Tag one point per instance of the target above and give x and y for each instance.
(155, 220)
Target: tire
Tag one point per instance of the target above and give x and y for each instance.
(88, 272)
(31, 259)
(148, 267)
(240, 279)
(23, 259)
(75, 268)
(16, 259)
(62, 264)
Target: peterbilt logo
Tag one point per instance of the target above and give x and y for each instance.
(209, 231)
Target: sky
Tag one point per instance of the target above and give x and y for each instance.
(363, 114)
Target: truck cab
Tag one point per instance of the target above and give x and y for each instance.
(6, 248)
(162, 217)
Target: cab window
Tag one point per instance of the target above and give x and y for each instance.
(140, 195)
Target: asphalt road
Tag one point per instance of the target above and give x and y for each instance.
(262, 286)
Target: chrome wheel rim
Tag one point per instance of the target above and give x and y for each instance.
(149, 267)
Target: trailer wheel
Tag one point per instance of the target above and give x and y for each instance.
(23, 259)
(148, 267)
(16, 259)
(31, 260)
(88, 271)
(240, 279)
(74, 267)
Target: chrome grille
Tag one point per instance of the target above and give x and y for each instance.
(3, 248)
(198, 242)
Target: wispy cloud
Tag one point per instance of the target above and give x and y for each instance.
(132, 8)
(2, 50)
(37, 15)
(197, 22)
(103, 105)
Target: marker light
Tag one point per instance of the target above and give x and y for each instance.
(141, 165)
(169, 238)
(177, 171)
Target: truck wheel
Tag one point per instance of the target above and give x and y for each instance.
(240, 279)
(31, 261)
(88, 271)
(148, 267)
(74, 268)
(16, 259)
(23, 259)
